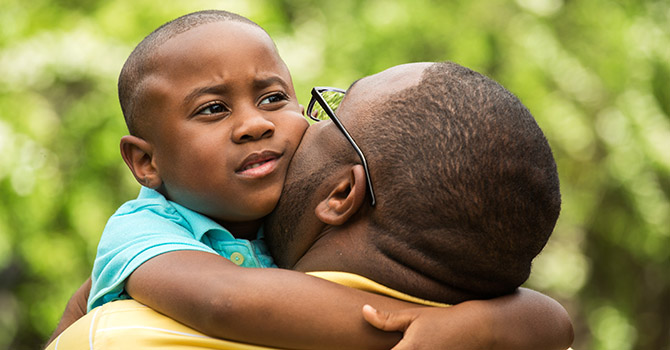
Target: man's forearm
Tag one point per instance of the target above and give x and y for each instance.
(74, 310)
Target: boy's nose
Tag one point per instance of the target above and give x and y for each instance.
(253, 127)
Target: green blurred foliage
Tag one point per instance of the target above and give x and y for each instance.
(595, 73)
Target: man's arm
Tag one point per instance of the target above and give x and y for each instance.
(74, 310)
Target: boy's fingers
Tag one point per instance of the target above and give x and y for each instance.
(387, 321)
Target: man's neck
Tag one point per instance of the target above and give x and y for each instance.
(348, 249)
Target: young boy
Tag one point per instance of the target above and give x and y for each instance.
(214, 122)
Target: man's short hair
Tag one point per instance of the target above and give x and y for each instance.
(466, 183)
(140, 63)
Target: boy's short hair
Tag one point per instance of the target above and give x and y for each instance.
(465, 180)
(139, 63)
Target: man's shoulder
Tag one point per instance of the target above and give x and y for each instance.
(363, 283)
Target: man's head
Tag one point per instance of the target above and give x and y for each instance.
(466, 185)
(213, 115)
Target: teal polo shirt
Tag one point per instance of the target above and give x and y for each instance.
(152, 225)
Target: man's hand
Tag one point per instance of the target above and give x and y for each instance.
(75, 309)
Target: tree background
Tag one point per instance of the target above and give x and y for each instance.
(595, 73)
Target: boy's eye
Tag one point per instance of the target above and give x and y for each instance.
(277, 97)
(213, 108)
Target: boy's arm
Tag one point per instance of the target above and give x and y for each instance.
(272, 307)
(525, 319)
(284, 308)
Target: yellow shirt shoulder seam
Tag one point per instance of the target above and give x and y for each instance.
(359, 282)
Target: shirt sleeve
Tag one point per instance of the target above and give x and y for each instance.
(131, 238)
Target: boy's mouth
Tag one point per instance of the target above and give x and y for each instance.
(259, 164)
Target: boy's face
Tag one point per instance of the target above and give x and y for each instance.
(223, 120)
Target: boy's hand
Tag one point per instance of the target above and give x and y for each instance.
(433, 328)
(523, 320)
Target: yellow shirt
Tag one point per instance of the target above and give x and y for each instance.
(127, 324)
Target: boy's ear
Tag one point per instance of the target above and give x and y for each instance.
(138, 155)
(345, 198)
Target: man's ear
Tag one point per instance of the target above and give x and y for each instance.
(345, 199)
(138, 153)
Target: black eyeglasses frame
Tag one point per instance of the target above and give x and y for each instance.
(317, 97)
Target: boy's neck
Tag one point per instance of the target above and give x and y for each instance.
(244, 229)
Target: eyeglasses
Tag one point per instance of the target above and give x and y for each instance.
(322, 106)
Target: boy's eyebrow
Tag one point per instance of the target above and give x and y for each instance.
(221, 88)
(265, 82)
(215, 89)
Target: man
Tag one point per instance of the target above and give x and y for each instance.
(466, 195)
(466, 186)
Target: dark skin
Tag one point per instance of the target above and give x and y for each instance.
(237, 302)
(479, 324)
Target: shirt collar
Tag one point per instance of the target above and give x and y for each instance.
(199, 223)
